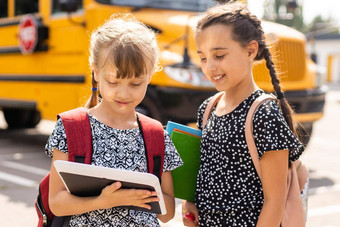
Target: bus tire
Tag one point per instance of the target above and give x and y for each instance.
(21, 118)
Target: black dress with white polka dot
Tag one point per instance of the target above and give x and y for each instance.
(229, 191)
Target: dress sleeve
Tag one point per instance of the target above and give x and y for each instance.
(172, 159)
(271, 132)
(57, 139)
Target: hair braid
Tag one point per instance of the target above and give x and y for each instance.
(245, 28)
(93, 101)
(284, 105)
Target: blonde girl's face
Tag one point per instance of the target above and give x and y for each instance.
(121, 95)
(224, 61)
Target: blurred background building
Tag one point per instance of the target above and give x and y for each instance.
(320, 23)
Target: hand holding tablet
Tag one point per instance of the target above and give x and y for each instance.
(88, 180)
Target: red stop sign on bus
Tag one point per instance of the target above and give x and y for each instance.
(28, 34)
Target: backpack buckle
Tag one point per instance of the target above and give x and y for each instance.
(44, 216)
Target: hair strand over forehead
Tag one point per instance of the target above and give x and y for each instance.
(124, 44)
(127, 44)
(245, 28)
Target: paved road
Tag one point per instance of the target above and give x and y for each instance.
(23, 163)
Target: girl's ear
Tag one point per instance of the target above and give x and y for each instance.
(95, 73)
(156, 69)
(252, 49)
(149, 77)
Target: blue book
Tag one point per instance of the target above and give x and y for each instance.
(183, 128)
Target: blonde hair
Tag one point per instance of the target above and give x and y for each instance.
(125, 43)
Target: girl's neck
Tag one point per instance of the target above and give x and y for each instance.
(234, 96)
(113, 118)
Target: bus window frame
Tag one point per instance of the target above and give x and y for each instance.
(62, 13)
(7, 10)
(18, 15)
(58, 15)
(151, 7)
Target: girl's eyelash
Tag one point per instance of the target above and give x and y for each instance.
(217, 56)
(136, 85)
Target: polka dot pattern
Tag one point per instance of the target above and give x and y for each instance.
(229, 191)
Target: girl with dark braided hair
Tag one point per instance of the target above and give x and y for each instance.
(229, 192)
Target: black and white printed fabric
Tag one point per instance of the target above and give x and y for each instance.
(115, 148)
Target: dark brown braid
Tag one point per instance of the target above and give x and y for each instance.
(93, 101)
(285, 107)
(245, 28)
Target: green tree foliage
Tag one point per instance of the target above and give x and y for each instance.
(287, 12)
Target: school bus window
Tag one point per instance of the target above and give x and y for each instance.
(26, 6)
(3, 8)
(190, 5)
(56, 6)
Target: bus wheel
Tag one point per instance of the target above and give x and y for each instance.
(21, 118)
(305, 132)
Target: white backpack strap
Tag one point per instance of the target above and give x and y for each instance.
(212, 102)
(249, 130)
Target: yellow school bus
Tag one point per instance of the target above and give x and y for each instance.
(44, 59)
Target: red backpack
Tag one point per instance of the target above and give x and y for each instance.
(79, 141)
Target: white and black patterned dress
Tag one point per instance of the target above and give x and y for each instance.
(229, 191)
(115, 148)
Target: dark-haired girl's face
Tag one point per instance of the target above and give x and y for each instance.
(223, 60)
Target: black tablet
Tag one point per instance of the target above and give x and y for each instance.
(88, 180)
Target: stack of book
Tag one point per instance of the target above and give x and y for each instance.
(187, 141)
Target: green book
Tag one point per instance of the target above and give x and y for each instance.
(185, 177)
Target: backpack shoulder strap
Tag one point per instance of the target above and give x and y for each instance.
(212, 102)
(249, 130)
(153, 136)
(78, 133)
